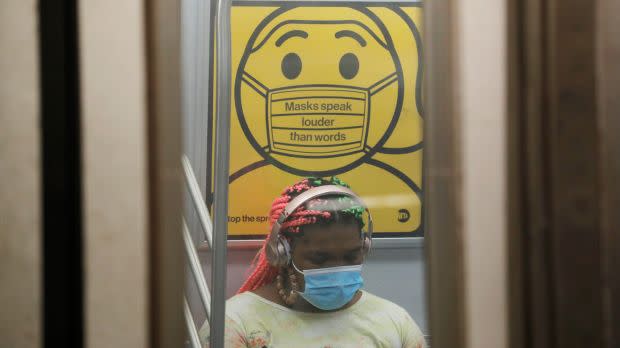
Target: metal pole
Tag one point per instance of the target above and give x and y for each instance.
(222, 152)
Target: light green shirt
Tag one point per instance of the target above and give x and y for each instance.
(254, 322)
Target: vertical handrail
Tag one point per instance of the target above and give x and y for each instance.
(194, 339)
(222, 153)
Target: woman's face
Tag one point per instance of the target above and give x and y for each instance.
(330, 245)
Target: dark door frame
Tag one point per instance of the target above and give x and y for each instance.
(61, 201)
(564, 174)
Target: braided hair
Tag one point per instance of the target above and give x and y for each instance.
(321, 210)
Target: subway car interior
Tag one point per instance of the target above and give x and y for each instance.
(310, 173)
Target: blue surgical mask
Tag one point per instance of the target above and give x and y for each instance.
(331, 288)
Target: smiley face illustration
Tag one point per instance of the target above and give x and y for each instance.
(315, 93)
(327, 90)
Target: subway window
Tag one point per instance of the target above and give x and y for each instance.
(323, 171)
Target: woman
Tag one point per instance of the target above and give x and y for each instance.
(304, 290)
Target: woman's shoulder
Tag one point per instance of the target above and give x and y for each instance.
(378, 304)
(243, 300)
(248, 302)
(381, 309)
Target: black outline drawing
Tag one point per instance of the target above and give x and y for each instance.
(302, 21)
(249, 49)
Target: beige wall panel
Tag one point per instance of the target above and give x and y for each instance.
(113, 88)
(20, 222)
(481, 33)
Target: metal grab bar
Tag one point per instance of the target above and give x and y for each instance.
(216, 235)
(221, 164)
(198, 200)
(194, 339)
(194, 265)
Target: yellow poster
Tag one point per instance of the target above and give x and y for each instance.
(323, 89)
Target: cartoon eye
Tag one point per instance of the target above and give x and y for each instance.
(349, 66)
(291, 66)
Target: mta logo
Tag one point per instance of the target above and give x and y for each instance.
(403, 215)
